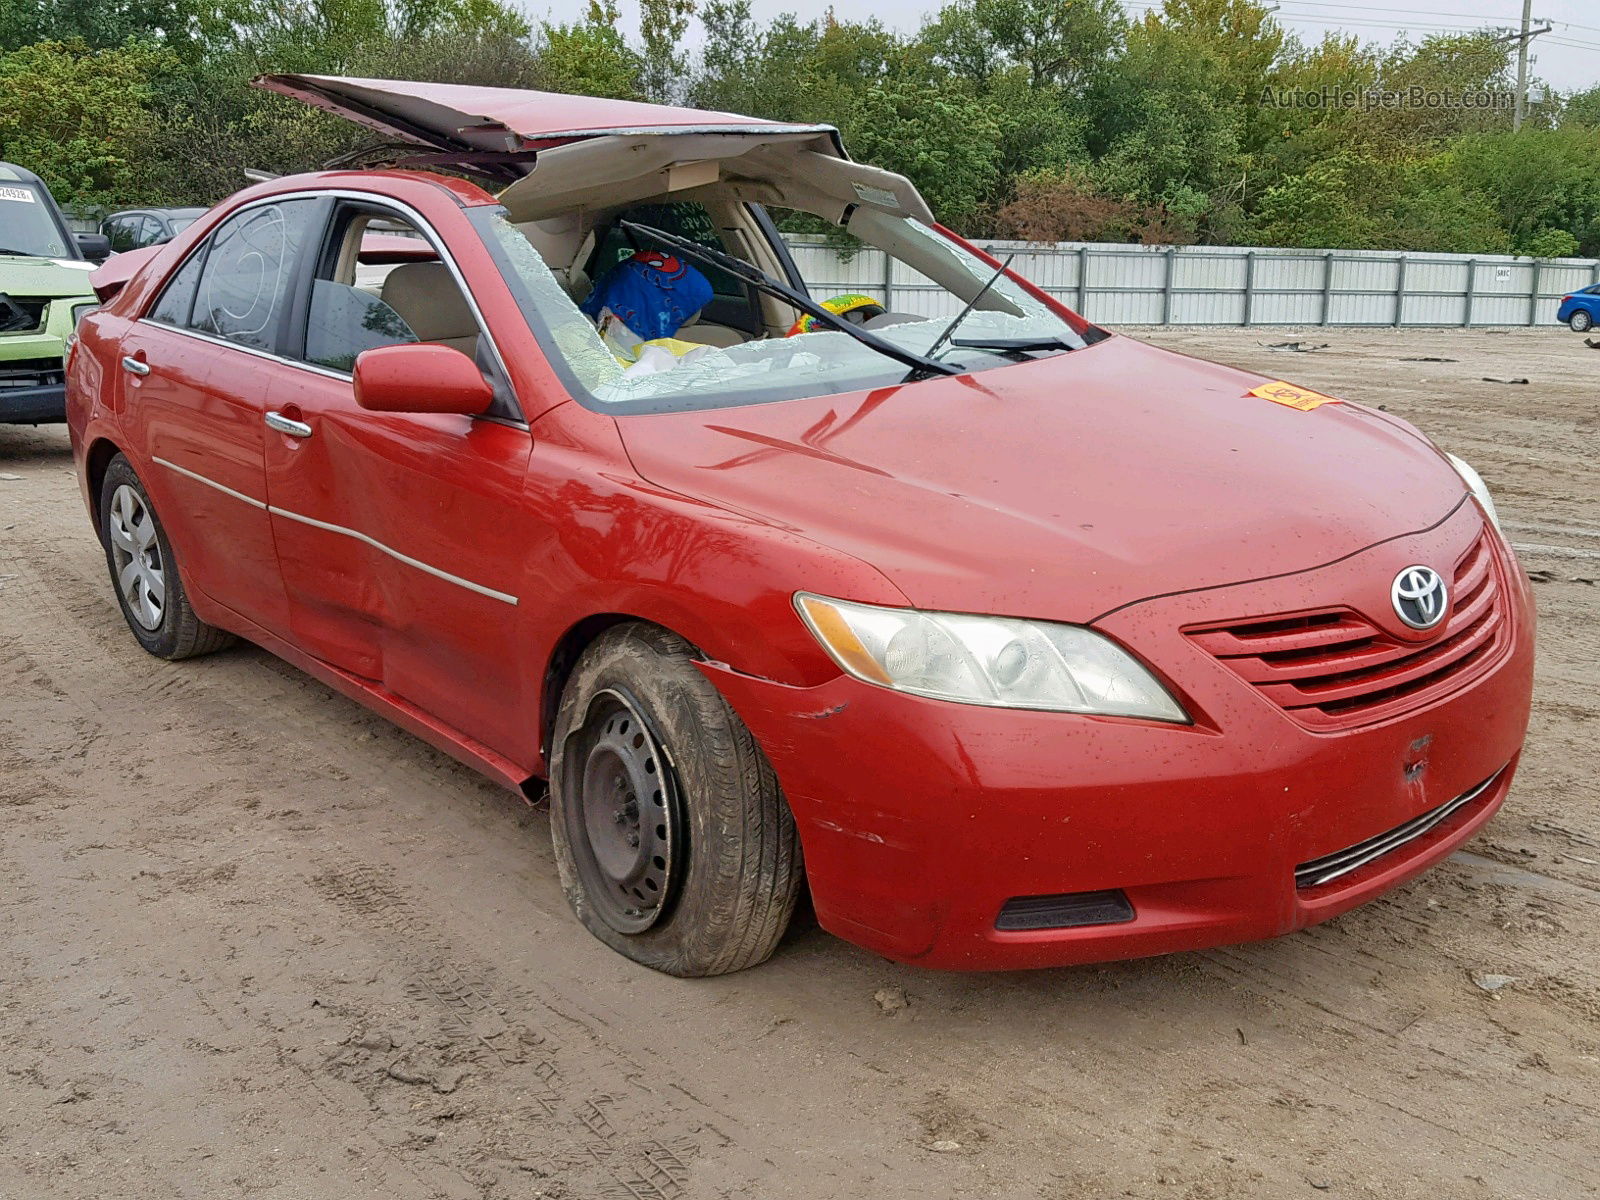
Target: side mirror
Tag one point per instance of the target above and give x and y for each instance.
(420, 378)
(96, 247)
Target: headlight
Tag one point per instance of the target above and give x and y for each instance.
(1476, 486)
(1000, 662)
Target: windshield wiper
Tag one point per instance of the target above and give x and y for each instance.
(1016, 345)
(757, 278)
(938, 342)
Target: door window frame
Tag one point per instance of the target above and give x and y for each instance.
(299, 293)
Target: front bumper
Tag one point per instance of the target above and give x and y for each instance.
(45, 405)
(32, 374)
(920, 819)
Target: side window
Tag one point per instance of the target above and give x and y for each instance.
(381, 284)
(248, 276)
(149, 232)
(345, 320)
(120, 233)
(177, 299)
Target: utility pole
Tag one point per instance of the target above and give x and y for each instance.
(1522, 68)
(1520, 113)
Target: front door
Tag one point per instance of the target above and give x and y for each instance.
(397, 533)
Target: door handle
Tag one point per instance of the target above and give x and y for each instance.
(283, 424)
(133, 365)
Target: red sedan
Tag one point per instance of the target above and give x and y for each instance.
(1016, 642)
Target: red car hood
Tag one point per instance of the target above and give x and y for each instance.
(1064, 487)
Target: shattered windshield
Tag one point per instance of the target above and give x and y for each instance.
(28, 224)
(620, 350)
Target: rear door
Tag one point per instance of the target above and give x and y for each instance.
(197, 374)
(401, 535)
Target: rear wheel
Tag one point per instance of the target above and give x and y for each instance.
(144, 572)
(1580, 321)
(674, 842)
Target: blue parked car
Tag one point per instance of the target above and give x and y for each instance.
(1581, 310)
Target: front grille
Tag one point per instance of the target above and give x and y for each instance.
(24, 314)
(1331, 866)
(31, 372)
(1333, 668)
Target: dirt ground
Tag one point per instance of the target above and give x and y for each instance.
(255, 941)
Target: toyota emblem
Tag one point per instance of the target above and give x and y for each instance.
(1420, 597)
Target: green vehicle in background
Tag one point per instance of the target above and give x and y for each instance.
(44, 289)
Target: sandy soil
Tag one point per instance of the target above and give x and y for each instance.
(258, 942)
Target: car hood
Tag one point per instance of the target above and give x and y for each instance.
(28, 275)
(1065, 487)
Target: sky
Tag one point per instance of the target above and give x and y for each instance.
(1567, 58)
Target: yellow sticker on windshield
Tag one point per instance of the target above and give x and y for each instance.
(1280, 392)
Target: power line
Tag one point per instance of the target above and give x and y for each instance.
(1385, 8)
(1372, 23)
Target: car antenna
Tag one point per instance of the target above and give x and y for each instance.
(938, 342)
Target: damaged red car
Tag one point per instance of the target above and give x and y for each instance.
(1014, 642)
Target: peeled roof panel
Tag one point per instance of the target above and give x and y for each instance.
(452, 115)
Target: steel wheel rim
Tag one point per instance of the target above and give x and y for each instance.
(625, 820)
(140, 570)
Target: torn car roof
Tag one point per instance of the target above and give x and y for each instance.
(451, 116)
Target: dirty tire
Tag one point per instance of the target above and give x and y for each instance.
(737, 856)
(1580, 321)
(180, 634)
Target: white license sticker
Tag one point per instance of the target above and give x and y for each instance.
(25, 195)
(882, 197)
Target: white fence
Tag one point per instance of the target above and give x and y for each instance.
(1232, 285)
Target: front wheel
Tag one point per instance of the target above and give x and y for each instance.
(144, 572)
(1580, 321)
(674, 842)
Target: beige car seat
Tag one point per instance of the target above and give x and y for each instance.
(704, 333)
(427, 298)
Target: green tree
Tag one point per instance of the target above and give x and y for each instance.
(1582, 108)
(590, 56)
(1060, 43)
(1538, 180)
(79, 117)
(189, 28)
(1168, 129)
(662, 24)
(1323, 207)
(943, 141)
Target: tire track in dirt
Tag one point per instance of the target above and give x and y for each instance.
(207, 703)
(583, 1095)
